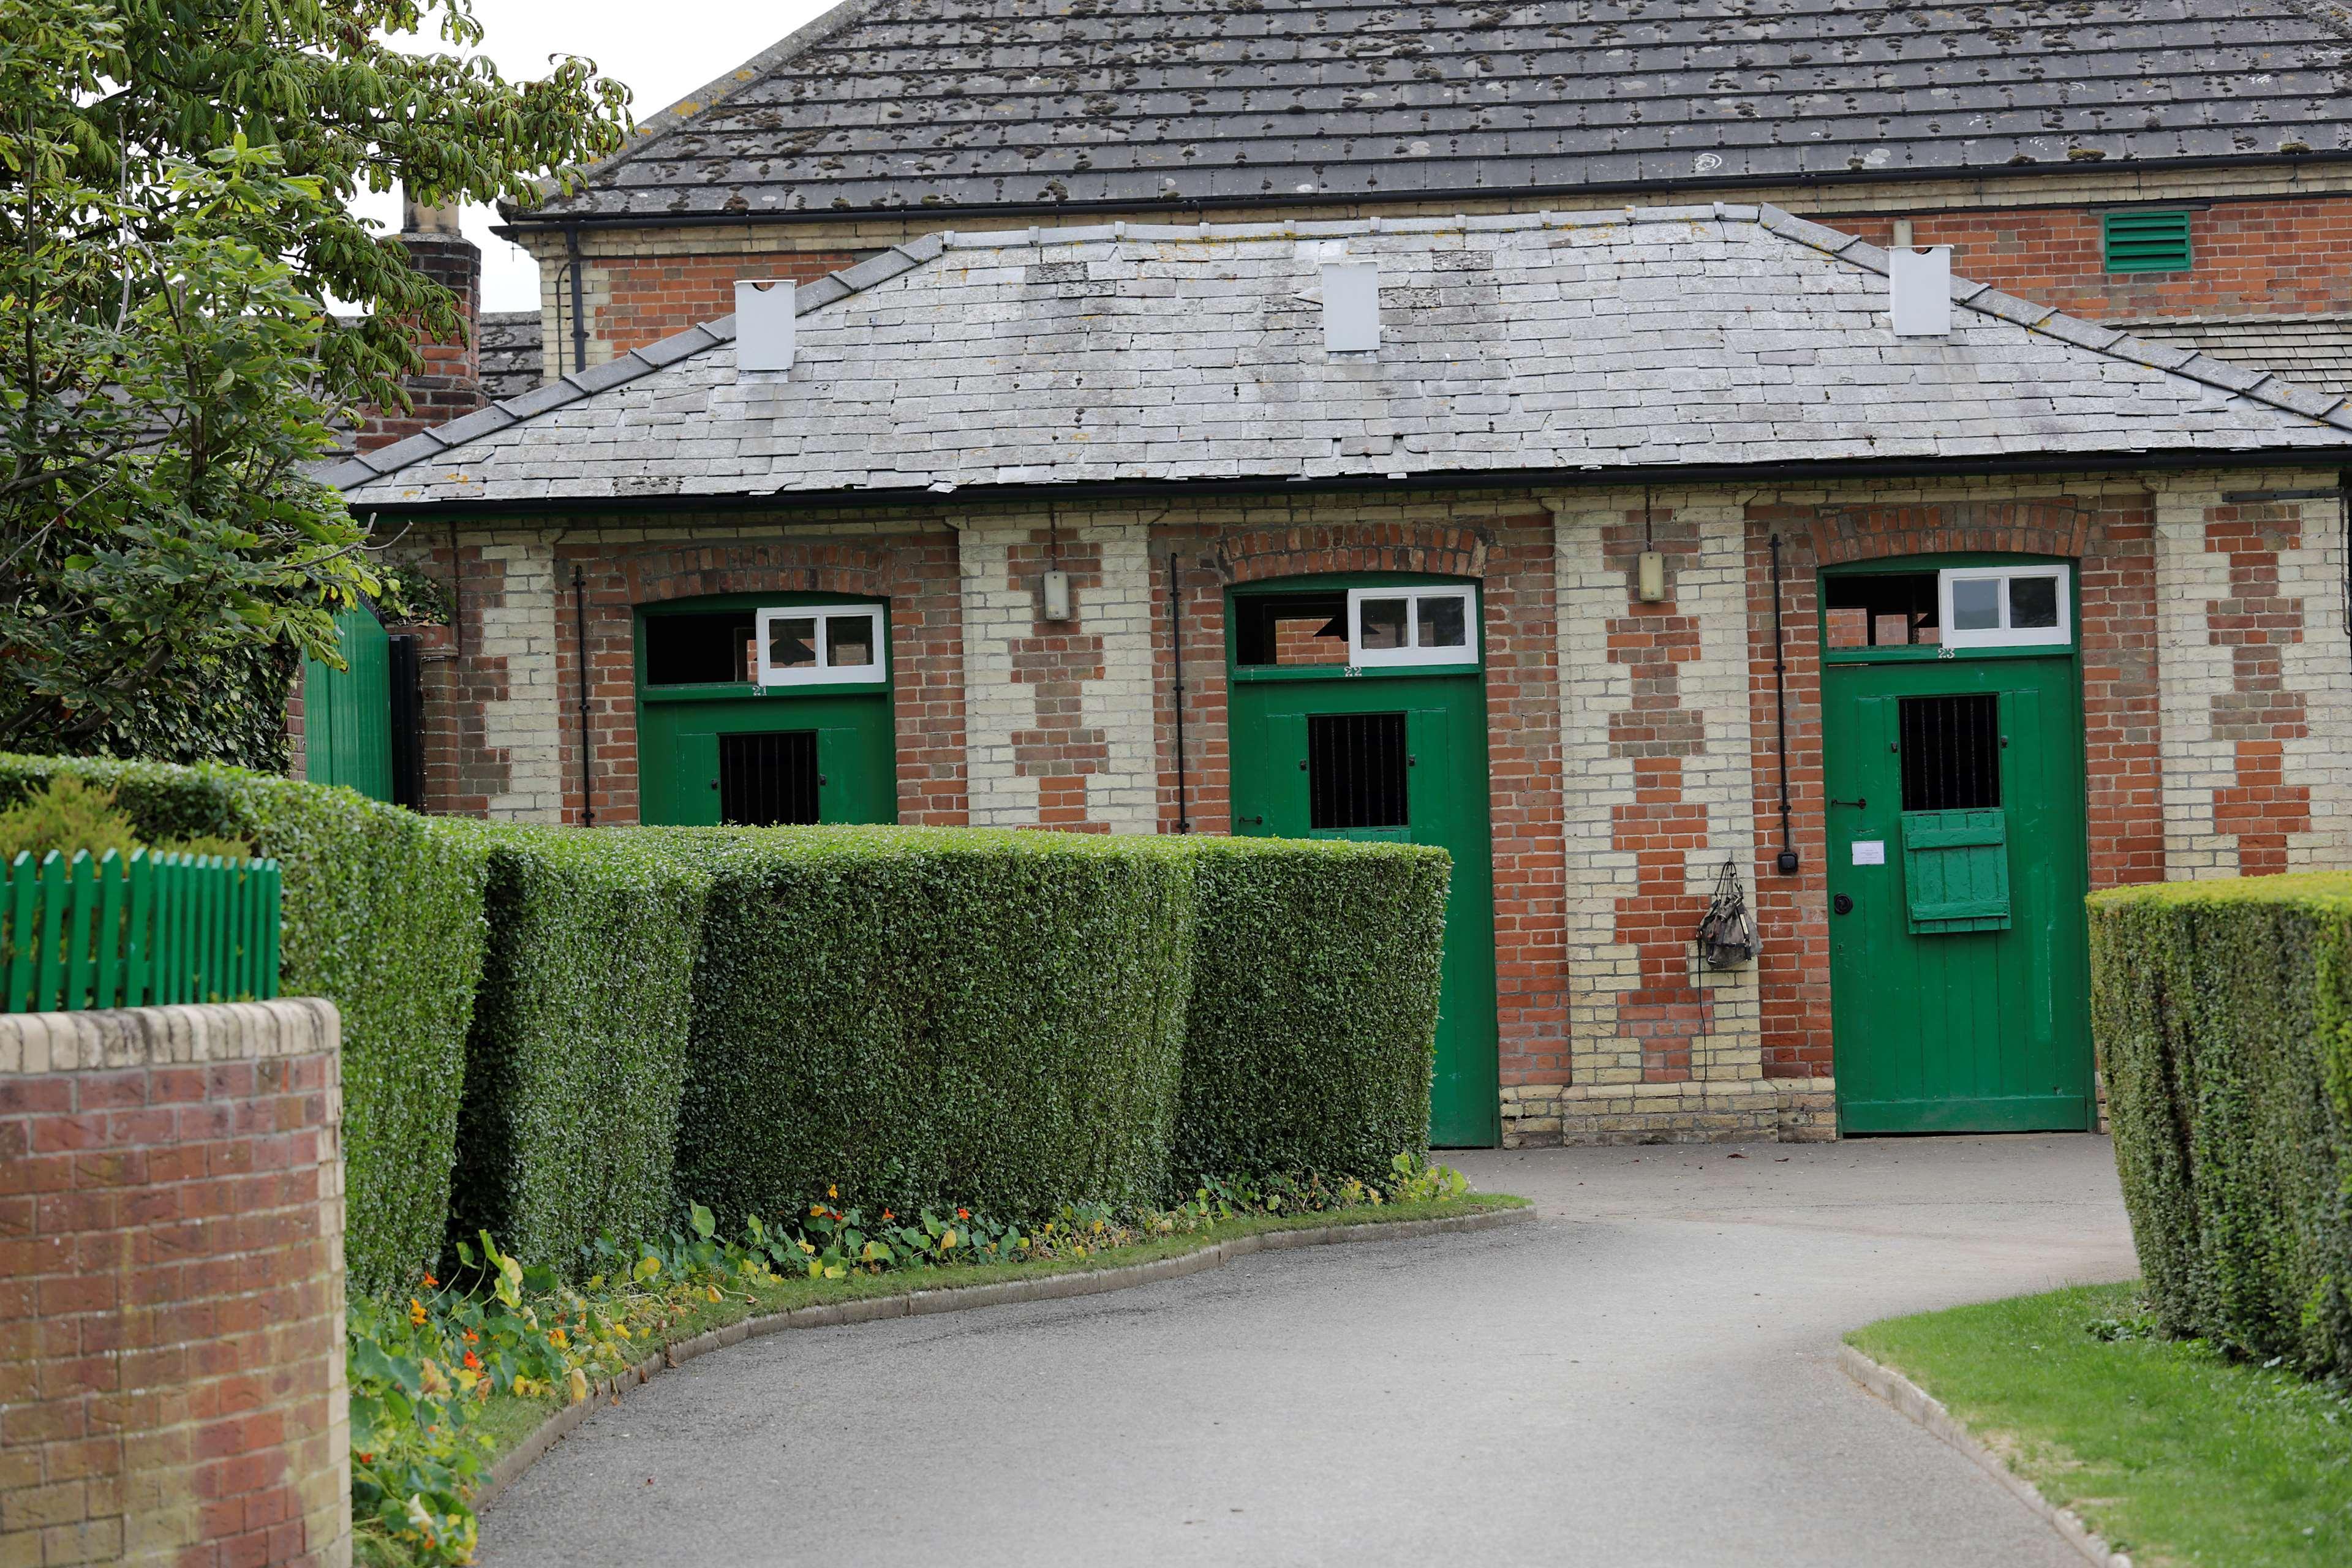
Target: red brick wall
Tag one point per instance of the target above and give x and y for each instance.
(170, 1292)
(917, 573)
(2113, 539)
(1512, 561)
(2276, 256)
(647, 298)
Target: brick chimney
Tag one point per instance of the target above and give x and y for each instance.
(450, 385)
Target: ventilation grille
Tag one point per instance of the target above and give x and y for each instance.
(2147, 242)
(1355, 771)
(768, 781)
(1951, 753)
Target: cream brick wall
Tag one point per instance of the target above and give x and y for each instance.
(1122, 703)
(2320, 668)
(1722, 778)
(525, 725)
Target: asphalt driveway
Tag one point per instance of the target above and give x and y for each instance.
(1647, 1376)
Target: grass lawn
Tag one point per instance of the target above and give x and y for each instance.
(2171, 1450)
(507, 1420)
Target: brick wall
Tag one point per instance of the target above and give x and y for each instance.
(171, 1287)
(644, 287)
(2256, 676)
(2250, 257)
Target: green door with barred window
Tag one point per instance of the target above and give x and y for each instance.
(805, 737)
(1959, 969)
(1357, 710)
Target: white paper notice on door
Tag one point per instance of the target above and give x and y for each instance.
(1870, 851)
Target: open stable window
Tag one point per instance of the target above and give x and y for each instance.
(2004, 606)
(1388, 626)
(812, 645)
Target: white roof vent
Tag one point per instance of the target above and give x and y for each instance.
(1351, 307)
(763, 324)
(1921, 284)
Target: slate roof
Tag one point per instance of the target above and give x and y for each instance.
(1613, 342)
(507, 341)
(962, 105)
(2315, 350)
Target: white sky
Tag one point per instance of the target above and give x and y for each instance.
(662, 51)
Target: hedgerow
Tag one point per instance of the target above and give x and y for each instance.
(383, 917)
(913, 1012)
(1314, 1006)
(2223, 1015)
(568, 1123)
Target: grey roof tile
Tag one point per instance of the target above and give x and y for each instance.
(978, 104)
(1649, 345)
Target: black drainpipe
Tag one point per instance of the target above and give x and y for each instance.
(1788, 858)
(1176, 663)
(587, 743)
(579, 322)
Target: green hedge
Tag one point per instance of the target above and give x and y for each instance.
(384, 916)
(2224, 1015)
(577, 1055)
(1313, 1006)
(930, 1016)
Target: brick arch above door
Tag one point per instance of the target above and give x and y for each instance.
(1434, 550)
(2059, 525)
(695, 572)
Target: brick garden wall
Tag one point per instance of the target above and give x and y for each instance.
(171, 1287)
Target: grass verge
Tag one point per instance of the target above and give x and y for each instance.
(507, 1420)
(2171, 1450)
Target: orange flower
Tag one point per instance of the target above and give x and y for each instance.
(415, 1313)
(833, 1192)
(473, 1361)
(963, 1213)
(888, 1214)
(472, 1338)
(430, 1282)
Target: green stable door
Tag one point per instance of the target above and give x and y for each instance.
(717, 743)
(1958, 970)
(1323, 749)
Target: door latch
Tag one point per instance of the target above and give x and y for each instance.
(1841, 905)
(1860, 803)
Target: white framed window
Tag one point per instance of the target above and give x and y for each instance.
(819, 645)
(2004, 606)
(1412, 625)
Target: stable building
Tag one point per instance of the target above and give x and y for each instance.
(1638, 557)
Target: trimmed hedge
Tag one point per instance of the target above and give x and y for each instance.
(382, 916)
(1308, 1039)
(576, 1058)
(923, 1016)
(2224, 1015)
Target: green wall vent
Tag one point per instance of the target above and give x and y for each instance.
(2147, 242)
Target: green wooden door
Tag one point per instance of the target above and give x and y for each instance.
(767, 759)
(1400, 758)
(1958, 971)
(347, 713)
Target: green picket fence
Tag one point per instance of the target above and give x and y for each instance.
(163, 928)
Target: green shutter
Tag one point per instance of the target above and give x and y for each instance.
(2147, 242)
(1956, 870)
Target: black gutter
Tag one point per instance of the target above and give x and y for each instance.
(587, 739)
(1176, 666)
(1787, 859)
(1354, 484)
(1481, 195)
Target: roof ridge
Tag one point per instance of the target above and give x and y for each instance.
(2256, 385)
